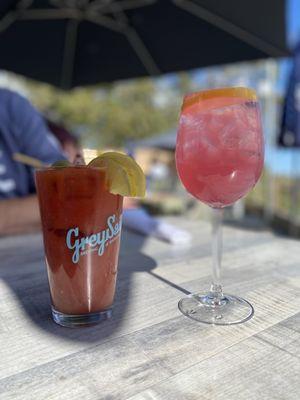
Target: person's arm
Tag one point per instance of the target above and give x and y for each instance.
(19, 215)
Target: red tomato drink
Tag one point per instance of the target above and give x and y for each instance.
(81, 224)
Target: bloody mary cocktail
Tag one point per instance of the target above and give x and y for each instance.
(81, 223)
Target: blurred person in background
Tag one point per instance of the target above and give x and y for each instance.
(22, 130)
(67, 140)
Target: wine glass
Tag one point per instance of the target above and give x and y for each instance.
(219, 159)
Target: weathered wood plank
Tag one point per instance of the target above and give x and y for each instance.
(250, 370)
(102, 372)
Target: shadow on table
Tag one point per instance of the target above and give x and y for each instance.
(31, 289)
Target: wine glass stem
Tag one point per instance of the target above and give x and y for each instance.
(216, 292)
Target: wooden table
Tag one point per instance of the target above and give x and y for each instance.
(148, 350)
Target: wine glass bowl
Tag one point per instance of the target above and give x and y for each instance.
(219, 151)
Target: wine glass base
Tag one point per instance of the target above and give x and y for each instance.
(230, 310)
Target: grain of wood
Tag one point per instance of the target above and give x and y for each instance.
(249, 370)
(149, 350)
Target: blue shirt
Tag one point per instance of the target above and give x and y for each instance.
(22, 130)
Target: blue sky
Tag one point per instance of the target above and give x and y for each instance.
(293, 20)
(293, 34)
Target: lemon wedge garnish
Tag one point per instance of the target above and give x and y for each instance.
(124, 175)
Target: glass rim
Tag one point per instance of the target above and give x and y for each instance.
(82, 167)
(219, 97)
(231, 91)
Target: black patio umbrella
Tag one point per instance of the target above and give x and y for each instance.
(78, 42)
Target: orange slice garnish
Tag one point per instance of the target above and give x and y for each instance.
(217, 98)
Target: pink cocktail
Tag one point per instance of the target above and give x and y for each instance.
(219, 158)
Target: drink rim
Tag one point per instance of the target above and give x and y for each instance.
(82, 167)
(238, 92)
